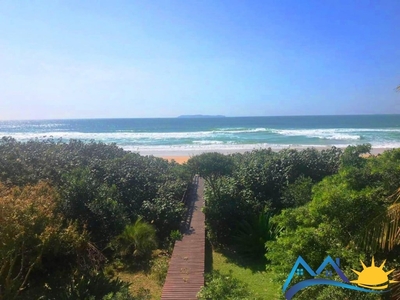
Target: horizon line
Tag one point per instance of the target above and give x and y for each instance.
(219, 116)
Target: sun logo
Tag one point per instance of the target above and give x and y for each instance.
(373, 277)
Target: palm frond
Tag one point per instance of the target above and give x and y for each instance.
(138, 238)
(383, 232)
(395, 291)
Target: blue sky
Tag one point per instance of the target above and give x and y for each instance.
(111, 59)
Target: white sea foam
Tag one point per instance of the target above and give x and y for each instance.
(346, 134)
(241, 130)
(109, 135)
(213, 147)
(228, 138)
(24, 125)
(388, 145)
(208, 142)
(132, 135)
(188, 150)
(327, 134)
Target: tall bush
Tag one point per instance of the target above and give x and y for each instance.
(30, 232)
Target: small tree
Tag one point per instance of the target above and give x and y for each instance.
(211, 166)
(352, 155)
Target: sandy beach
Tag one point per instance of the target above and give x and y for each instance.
(178, 159)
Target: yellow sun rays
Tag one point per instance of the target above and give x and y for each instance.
(373, 277)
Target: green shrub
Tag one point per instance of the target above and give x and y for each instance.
(297, 193)
(90, 286)
(93, 204)
(251, 236)
(124, 294)
(174, 236)
(33, 237)
(111, 187)
(219, 286)
(98, 190)
(335, 221)
(256, 179)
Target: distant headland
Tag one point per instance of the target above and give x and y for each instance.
(202, 116)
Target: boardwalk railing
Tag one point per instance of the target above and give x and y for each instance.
(185, 274)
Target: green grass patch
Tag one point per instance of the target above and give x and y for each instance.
(251, 273)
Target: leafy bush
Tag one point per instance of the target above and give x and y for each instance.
(257, 179)
(336, 219)
(28, 163)
(129, 184)
(219, 286)
(164, 212)
(251, 236)
(334, 293)
(141, 294)
(95, 205)
(91, 286)
(174, 236)
(225, 210)
(98, 189)
(297, 193)
(211, 166)
(33, 236)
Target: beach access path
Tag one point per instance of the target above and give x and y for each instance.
(185, 274)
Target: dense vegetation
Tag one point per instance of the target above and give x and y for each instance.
(68, 208)
(246, 184)
(69, 211)
(280, 205)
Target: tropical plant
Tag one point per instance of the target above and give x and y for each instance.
(138, 239)
(252, 235)
(383, 231)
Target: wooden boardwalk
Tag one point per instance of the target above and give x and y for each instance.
(186, 270)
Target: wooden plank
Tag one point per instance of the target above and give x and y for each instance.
(185, 274)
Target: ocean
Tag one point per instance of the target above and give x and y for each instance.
(205, 134)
